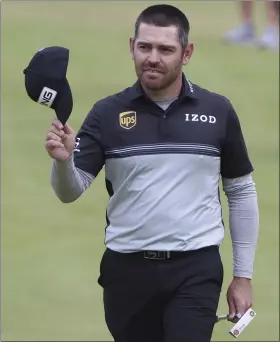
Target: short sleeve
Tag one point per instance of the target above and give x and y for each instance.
(88, 152)
(235, 161)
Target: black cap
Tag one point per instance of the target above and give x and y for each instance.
(46, 82)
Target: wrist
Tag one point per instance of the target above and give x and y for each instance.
(242, 279)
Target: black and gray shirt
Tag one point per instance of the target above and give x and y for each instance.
(163, 163)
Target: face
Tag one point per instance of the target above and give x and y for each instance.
(158, 56)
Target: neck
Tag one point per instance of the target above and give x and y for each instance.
(165, 94)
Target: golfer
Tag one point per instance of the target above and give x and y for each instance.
(164, 142)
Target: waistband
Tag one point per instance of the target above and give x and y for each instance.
(164, 255)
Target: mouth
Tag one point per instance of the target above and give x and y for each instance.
(153, 71)
(153, 74)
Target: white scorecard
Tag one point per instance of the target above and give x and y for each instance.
(242, 323)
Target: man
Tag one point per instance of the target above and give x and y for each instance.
(164, 143)
(246, 33)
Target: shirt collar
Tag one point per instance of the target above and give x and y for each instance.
(136, 91)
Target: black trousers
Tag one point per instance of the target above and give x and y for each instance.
(170, 300)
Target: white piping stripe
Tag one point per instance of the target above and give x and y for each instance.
(162, 146)
(172, 144)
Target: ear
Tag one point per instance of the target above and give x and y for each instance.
(131, 46)
(188, 53)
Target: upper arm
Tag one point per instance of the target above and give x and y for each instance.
(88, 152)
(235, 161)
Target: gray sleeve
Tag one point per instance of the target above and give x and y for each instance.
(243, 222)
(69, 182)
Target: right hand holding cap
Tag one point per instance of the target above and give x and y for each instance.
(60, 141)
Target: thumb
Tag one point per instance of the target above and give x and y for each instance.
(67, 129)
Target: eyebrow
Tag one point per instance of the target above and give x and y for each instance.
(160, 45)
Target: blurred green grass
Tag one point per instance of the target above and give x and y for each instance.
(51, 251)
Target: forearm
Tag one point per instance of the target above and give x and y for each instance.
(69, 182)
(243, 223)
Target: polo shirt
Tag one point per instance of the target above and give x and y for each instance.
(163, 167)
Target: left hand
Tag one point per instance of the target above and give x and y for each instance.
(239, 297)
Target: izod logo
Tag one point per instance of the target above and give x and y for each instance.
(127, 119)
(200, 118)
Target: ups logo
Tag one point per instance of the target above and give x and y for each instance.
(127, 119)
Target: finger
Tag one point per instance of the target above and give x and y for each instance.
(231, 309)
(57, 124)
(53, 136)
(238, 315)
(51, 144)
(57, 131)
(67, 129)
(242, 307)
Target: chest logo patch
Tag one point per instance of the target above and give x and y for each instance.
(200, 118)
(127, 119)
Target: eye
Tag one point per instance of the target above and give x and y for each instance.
(143, 47)
(166, 50)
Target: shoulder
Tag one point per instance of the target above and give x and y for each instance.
(115, 100)
(103, 109)
(213, 98)
(219, 105)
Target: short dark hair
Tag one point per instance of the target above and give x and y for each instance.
(165, 15)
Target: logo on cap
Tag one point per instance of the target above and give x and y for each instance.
(127, 119)
(47, 97)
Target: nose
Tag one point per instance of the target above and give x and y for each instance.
(154, 57)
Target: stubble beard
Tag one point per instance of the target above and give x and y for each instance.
(167, 80)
